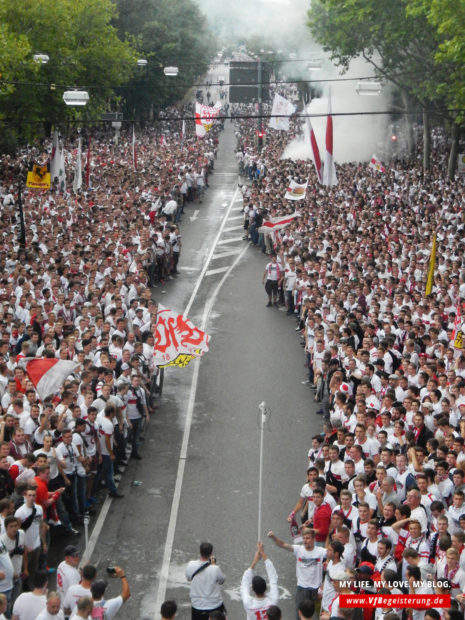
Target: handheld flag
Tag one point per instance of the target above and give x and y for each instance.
(375, 164)
(432, 263)
(88, 164)
(77, 182)
(55, 157)
(62, 172)
(329, 172)
(296, 191)
(205, 116)
(276, 223)
(281, 111)
(47, 373)
(38, 176)
(177, 340)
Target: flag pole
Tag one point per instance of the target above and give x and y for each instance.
(263, 414)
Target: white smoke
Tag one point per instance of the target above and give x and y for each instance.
(356, 137)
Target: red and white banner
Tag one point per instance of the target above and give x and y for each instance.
(134, 149)
(47, 373)
(277, 223)
(375, 164)
(329, 172)
(55, 157)
(296, 191)
(394, 601)
(205, 116)
(315, 151)
(177, 340)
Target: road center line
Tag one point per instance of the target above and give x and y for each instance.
(165, 567)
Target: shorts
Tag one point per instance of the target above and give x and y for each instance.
(271, 286)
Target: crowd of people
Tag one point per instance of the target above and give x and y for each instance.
(384, 498)
(80, 289)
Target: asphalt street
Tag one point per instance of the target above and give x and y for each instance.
(254, 355)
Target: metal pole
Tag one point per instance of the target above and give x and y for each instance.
(262, 407)
(86, 529)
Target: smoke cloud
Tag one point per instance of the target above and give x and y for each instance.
(282, 24)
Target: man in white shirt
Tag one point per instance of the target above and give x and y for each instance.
(30, 604)
(205, 578)
(309, 565)
(257, 602)
(67, 572)
(113, 605)
(32, 521)
(52, 610)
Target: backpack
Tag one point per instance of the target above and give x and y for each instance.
(98, 611)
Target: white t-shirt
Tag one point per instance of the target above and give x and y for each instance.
(17, 558)
(111, 607)
(28, 605)
(74, 594)
(45, 615)
(309, 566)
(255, 608)
(205, 589)
(67, 576)
(33, 531)
(106, 429)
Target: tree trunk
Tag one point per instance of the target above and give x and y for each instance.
(426, 141)
(454, 148)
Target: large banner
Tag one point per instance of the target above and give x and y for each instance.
(280, 113)
(296, 191)
(177, 340)
(38, 176)
(205, 116)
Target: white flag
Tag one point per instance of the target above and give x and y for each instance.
(296, 191)
(55, 157)
(62, 172)
(77, 182)
(280, 113)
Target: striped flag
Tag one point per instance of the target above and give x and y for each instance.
(88, 164)
(315, 150)
(432, 264)
(47, 373)
(277, 223)
(329, 172)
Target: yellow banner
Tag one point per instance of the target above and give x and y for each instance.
(458, 341)
(38, 176)
(432, 263)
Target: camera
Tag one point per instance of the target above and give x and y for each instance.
(111, 570)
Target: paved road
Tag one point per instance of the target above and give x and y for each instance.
(254, 356)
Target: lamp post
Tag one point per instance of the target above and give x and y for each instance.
(76, 97)
(369, 88)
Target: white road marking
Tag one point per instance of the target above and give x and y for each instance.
(233, 228)
(225, 254)
(89, 550)
(195, 215)
(164, 572)
(236, 209)
(212, 272)
(234, 240)
(236, 217)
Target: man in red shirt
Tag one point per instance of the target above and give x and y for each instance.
(321, 518)
(44, 497)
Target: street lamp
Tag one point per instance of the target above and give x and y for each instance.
(41, 59)
(76, 97)
(142, 62)
(369, 88)
(315, 64)
(171, 71)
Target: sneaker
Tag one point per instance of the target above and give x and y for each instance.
(269, 304)
(72, 531)
(116, 495)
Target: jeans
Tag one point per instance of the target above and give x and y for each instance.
(70, 496)
(135, 434)
(107, 470)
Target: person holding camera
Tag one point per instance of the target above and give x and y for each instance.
(136, 412)
(205, 578)
(110, 606)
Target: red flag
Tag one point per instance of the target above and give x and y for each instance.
(375, 164)
(329, 173)
(315, 150)
(47, 373)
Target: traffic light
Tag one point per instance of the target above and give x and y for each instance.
(260, 140)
